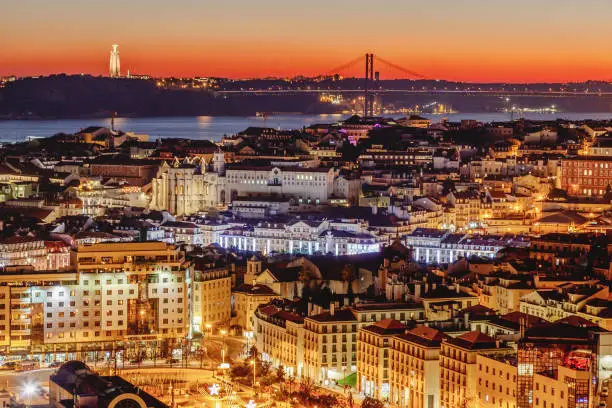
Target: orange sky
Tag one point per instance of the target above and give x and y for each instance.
(469, 40)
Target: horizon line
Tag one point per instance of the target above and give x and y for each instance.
(274, 77)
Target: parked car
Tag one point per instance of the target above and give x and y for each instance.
(55, 364)
(27, 365)
(9, 365)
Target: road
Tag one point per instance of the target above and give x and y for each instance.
(16, 382)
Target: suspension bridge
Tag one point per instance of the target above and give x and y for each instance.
(408, 81)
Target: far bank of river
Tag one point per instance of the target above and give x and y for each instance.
(214, 127)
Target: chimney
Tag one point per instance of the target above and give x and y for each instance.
(466, 319)
(417, 291)
(457, 287)
(497, 343)
(309, 309)
(521, 327)
(332, 308)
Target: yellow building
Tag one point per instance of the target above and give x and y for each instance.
(496, 380)
(373, 349)
(279, 336)
(330, 338)
(211, 293)
(415, 368)
(458, 367)
(330, 343)
(567, 300)
(129, 296)
(247, 299)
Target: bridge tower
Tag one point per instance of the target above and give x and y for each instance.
(368, 97)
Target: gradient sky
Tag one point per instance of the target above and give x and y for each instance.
(470, 40)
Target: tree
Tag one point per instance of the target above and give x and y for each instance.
(240, 371)
(369, 402)
(280, 373)
(608, 195)
(264, 368)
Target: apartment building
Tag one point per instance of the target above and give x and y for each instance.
(330, 345)
(496, 380)
(560, 249)
(586, 175)
(330, 338)
(26, 251)
(458, 367)
(560, 365)
(415, 368)
(247, 298)
(279, 336)
(373, 352)
(566, 300)
(124, 296)
(210, 294)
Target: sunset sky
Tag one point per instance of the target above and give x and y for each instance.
(470, 40)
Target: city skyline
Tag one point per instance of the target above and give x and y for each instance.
(534, 41)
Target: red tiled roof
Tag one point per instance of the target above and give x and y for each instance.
(386, 326)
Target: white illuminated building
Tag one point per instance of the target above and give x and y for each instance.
(433, 246)
(304, 184)
(338, 237)
(114, 65)
(194, 185)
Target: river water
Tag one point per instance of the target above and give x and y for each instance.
(214, 127)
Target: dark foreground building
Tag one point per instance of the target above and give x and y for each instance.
(75, 385)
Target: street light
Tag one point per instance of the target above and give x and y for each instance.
(254, 364)
(28, 391)
(223, 333)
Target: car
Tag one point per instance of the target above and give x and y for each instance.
(9, 365)
(173, 360)
(54, 364)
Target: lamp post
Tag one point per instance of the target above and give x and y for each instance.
(254, 364)
(223, 333)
